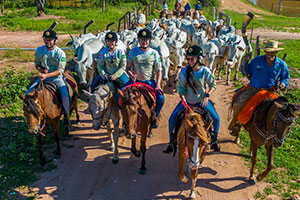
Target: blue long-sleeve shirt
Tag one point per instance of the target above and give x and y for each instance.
(187, 7)
(198, 7)
(263, 76)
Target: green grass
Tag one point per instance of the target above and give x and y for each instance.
(72, 20)
(274, 22)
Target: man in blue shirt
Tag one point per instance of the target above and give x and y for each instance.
(187, 8)
(266, 72)
(198, 5)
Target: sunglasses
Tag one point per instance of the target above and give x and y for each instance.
(191, 59)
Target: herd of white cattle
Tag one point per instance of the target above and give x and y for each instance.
(220, 44)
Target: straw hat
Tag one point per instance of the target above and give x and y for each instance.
(272, 46)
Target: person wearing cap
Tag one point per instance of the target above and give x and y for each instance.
(144, 65)
(50, 61)
(111, 63)
(266, 72)
(177, 5)
(165, 8)
(198, 6)
(196, 83)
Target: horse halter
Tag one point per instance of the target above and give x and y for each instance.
(266, 134)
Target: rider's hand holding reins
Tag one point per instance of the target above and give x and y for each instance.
(158, 89)
(204, 102)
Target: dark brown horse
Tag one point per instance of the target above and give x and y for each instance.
(41, 110)
(136, 119)
(192, 142)
(269, 125)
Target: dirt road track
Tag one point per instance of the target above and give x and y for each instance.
(86, 171)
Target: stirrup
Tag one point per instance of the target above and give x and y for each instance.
(235, 130)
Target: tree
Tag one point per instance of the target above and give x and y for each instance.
(40, 7)
(2, 6)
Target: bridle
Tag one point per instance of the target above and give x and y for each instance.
(266, 135)
(103, 112)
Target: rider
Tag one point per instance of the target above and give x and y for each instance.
(264, 72)
(198, 6)
(165, 8)
(50, 60)
(187, 7)
(178, 4)
(192, 88)
(111, 63)
(145, 64)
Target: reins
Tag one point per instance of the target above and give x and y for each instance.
(186, 135)
(42, 111)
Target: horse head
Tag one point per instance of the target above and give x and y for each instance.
(129, 110)
(281, 115)
(194, 136)
(99, 104)
(33, 112)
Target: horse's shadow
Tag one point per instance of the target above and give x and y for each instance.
(90, 177)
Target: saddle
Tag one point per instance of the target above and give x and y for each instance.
(146, 90)
(204, 115)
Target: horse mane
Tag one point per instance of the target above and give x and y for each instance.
(129, 95)
(32, 107)
(263, 109)
(201, 134)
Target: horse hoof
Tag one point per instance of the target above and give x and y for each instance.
(77, 122)
(143, 171)
(115, 161)
(251, 181)
(150, 135)
(185, 179)
(192, 195)
(259, 177)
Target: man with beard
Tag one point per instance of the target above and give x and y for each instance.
(265, 72)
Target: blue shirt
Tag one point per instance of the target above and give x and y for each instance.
(263, 76)
(187, 7)
(198, 7)
(204, 80)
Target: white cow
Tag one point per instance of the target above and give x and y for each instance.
(210, 54)
(236, 50)
(77, 41)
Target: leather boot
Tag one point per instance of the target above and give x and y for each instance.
(214, 144)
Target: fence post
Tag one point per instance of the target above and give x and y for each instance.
(103, 6)
(214, 13)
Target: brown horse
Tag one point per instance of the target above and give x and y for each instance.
(269, 125)
(192, 142)
(136, 119)
(41, 109)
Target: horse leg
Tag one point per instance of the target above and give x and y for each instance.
(180, 174)
(143, 150)
(236, 70)
(194, 179)
(133, 148)
(115, 158)
(270, 154)
(228, 75)
(40, 149)
(111, 138)
(77, 114)
(57, 139)
(253, 161)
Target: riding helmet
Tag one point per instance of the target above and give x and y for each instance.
(194, 51)
(50, 33)
(145, 33)
(111, 36)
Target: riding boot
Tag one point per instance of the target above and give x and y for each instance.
(169, 149)
(214, 144)
(66, 120)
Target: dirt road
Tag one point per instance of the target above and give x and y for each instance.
(86, 171)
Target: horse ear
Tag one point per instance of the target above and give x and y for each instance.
(189, 123)
(86, 96)
(22, 97)
(279, 105)
(121, 94)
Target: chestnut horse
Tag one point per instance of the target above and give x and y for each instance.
(192, 142)
(41, 109)
(136, 115)
(269, 126)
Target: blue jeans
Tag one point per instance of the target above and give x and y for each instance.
(122, 79)
(210, 108)
(59, 81)
(160, 98)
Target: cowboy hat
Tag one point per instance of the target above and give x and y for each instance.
(272, 46)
